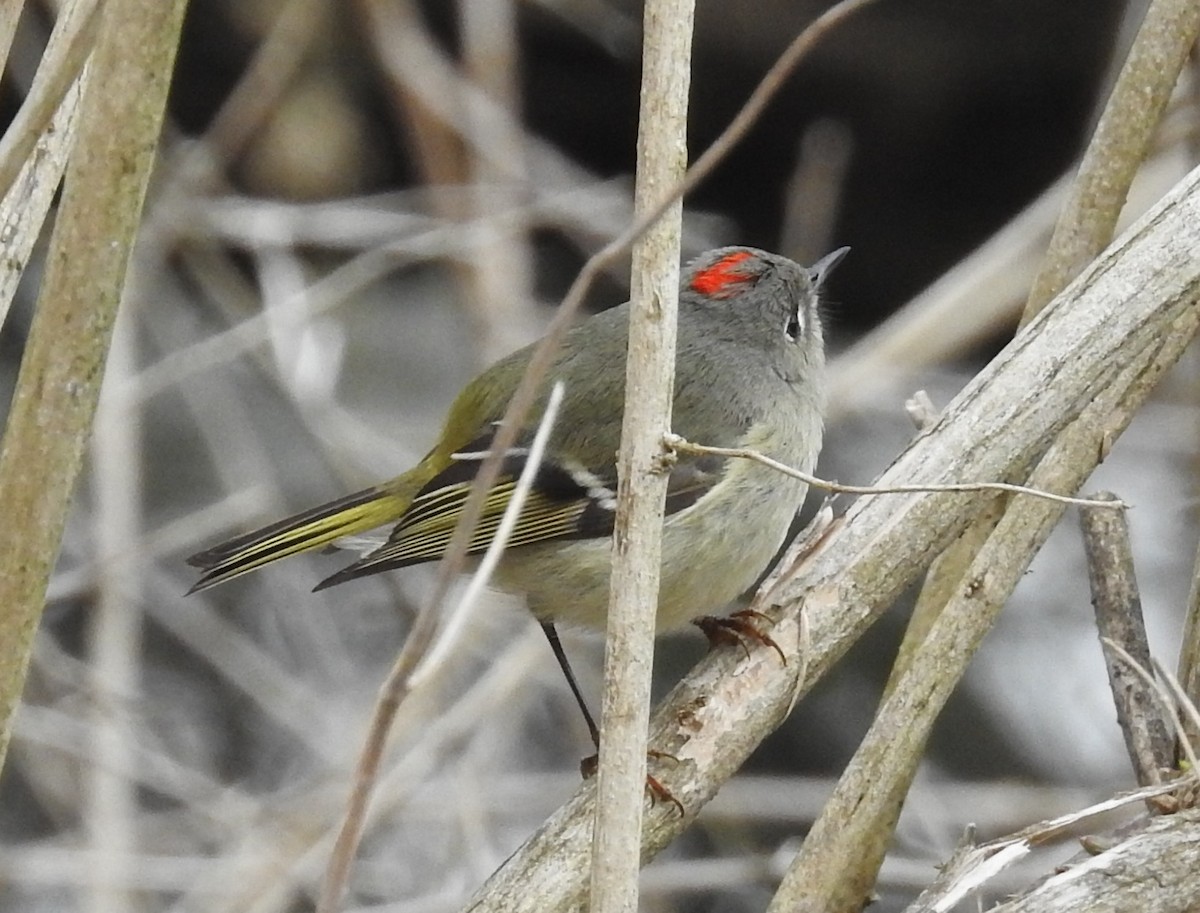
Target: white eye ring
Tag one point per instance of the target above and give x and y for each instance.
(794, 327)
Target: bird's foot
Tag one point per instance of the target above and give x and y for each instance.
(737, 628)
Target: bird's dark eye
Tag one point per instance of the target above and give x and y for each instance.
(795, 326)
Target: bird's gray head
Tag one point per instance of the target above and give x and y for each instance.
(761, 300)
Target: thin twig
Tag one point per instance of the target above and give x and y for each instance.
(1166, 698)
(676, 442)
(67, 51)
(1118, 607)
(974, 866)
(1188, 668)
(641, 489)
(487, 565)
(115, 629)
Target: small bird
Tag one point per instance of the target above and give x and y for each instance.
(749, 372)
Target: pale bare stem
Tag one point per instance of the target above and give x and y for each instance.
(675, 442)
(266, 78)
(70, 44)
(501, 271)
(1162, 693)
(1189, 647)
(457, 619)
(58, 385)
(973, 868)
(10, 12)
(813, 194)
(115, 633)
(1118, 608)
(649, 382)
(27, 202)
(417, 661)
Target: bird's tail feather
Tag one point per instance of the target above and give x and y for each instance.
(348, 516)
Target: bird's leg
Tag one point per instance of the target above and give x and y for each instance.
(737, 628)
(561, 655)
(588, 765)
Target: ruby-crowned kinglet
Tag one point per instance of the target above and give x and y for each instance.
(749, 372)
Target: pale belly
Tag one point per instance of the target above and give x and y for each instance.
(712, 553)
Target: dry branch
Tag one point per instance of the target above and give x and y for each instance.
(642, 486)
(1143, 288)
(1119, 618)
(10, 12)
(1189, 650)
(1161, 879)
(67, 51)
(839, 862)
(1153, 871)
(60, 375)
(855, 827)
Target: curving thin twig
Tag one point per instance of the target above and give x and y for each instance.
(678, 443)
